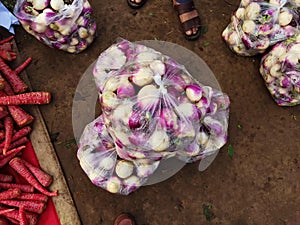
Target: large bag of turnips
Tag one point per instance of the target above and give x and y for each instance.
(152, 110)
(270, 28)
(66, 25)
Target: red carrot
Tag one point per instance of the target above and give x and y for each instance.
(33, 197)
(6, 46)
(12, 153)
(2, 83)
(22, 216)
(17, 164)
(19, 115)
(3, 211)
(8, 55)
(8, 126)
(29, 98)
(24, 187)
(19, 134)
(32, 218)
(2, 134)
(13, 221)
(6, 39)
(32, 206)
(3, 221)
(10, 193)
(6, 178)
(44, 178)
(21, 67)
(3, 112)
(7, 89)
(17, 143)
(16, 82)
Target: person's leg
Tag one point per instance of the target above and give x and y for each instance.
(189, 18)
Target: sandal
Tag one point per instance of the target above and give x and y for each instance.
(189, 19)
(135, 5)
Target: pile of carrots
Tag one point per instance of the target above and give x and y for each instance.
(20, 203)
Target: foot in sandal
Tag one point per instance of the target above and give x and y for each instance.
(124, 219)
(189, 18)
(136, 4)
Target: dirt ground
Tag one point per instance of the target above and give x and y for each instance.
(259, 185)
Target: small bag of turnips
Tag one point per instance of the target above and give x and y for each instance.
(256, 25)
(67, 25)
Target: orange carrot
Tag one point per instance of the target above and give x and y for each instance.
(17, 164)
(16, 82)
(31, 98)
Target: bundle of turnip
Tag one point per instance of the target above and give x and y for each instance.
(280, 70)
(62, 24)
(153, 109)
(99, 159)
(258, 24)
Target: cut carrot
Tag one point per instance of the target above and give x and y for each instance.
(24, 187)
(19, 115)
(16, 82)
(18, 165)
(32, 206)
(10, 193)
(21, 67)
(31, 98)
(6, 178)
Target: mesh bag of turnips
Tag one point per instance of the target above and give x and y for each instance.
(259, 24)
(67, 25)
(152, 110)
(280, 71)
